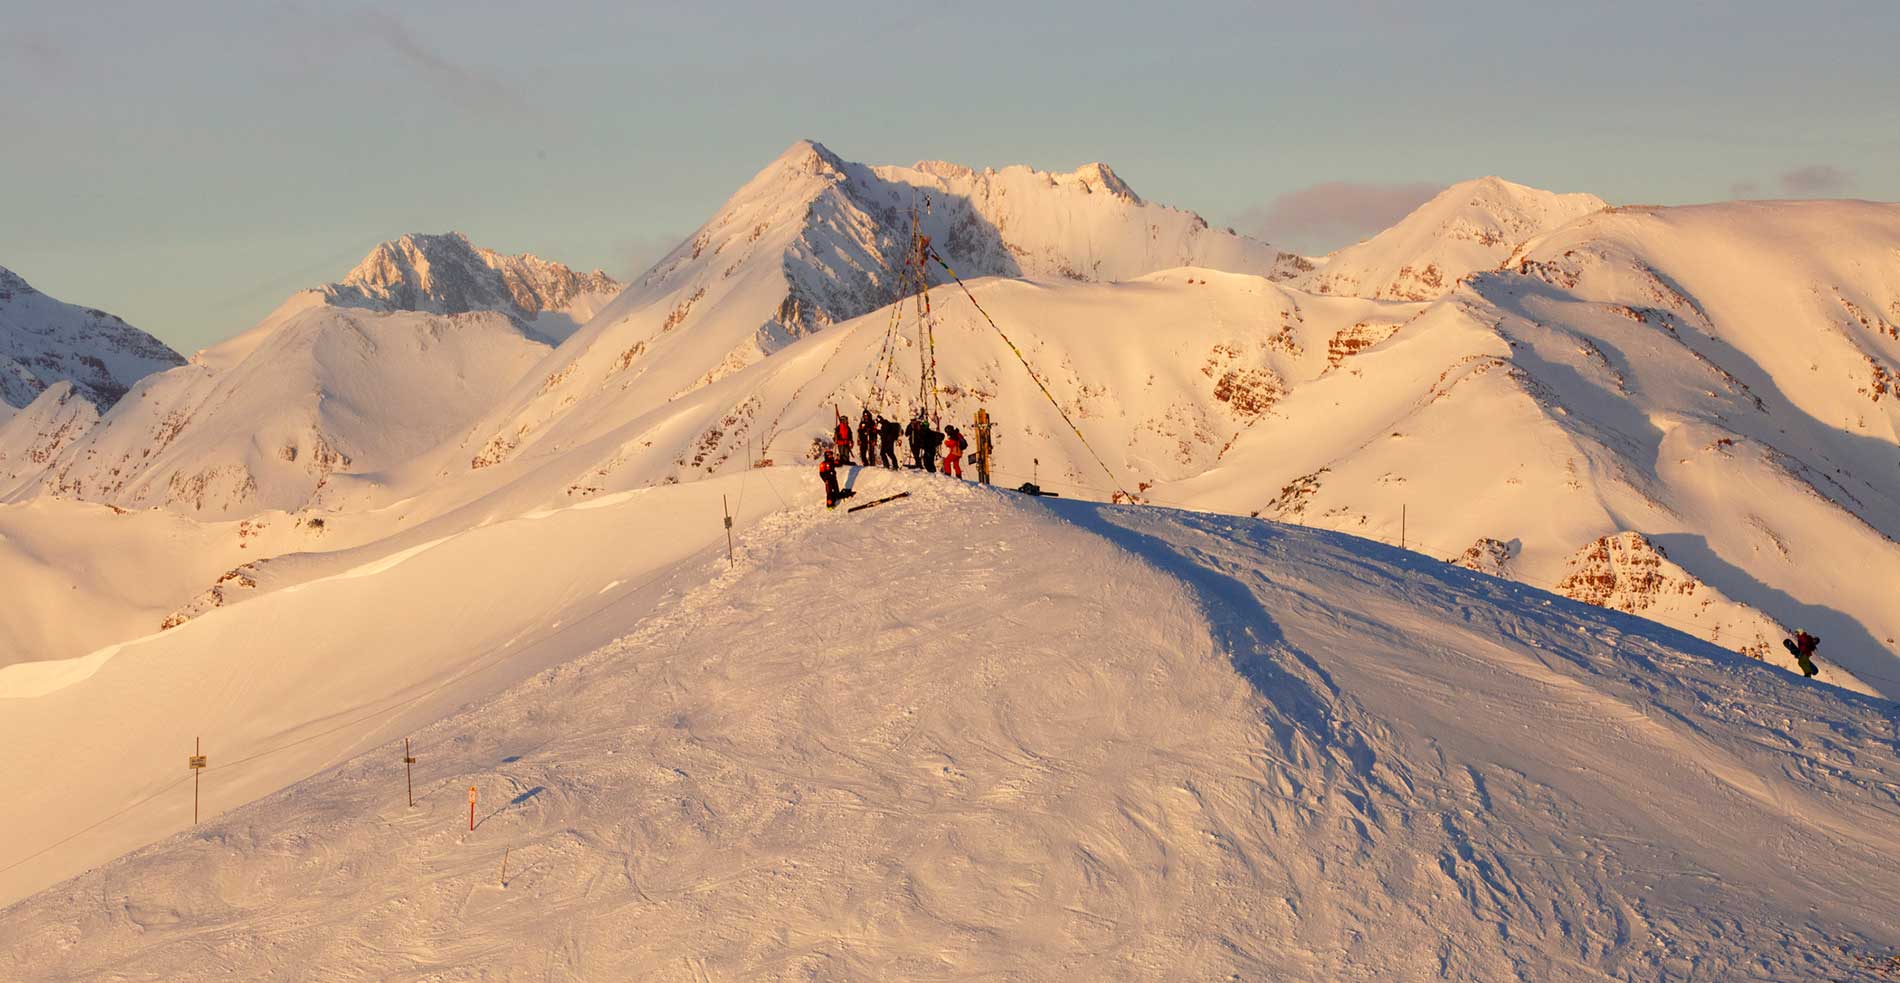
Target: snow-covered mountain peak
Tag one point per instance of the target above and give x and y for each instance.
(1469, 227)
(44, 340)
(448, 274)
(12, 283)
(1100, 175)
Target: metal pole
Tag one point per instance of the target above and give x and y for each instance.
(723, 507)
(409, 771)
(197, 750)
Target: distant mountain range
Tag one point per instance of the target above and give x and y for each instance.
(1687, 413)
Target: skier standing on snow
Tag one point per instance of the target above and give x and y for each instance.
(828, 473)
(887, 433)
(867, 435)
(933, 439)
(844, 440)
(953, 445)
(1802, 647)
(914, 434)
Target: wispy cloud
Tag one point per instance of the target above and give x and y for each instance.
(1325, 216)
(1744, 189)
(1816, 180)
(471, 87)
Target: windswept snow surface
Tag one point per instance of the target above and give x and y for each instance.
(350, 648)
(968, 735)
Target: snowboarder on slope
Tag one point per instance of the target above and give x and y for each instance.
(867, 436)
(1802, 647)
(953, 445)
(887, 433)
(844, 440)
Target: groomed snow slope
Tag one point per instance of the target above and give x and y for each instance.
(971, 736)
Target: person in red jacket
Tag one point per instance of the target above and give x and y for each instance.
(953, 445)
(1802, 647)
(828, 473)
(843, 441)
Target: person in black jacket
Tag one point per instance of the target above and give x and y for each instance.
(933, 440)
(914, 433)
(887, 433)
(867, 436)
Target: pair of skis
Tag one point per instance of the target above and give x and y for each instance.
(878, 501)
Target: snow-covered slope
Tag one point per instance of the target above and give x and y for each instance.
(447, 274)
(83, 576)
(1469, 227)
(420, 339)
(44, 341)
(32, 437)
(1250, 397)
(1711, 378)
(813, 240)
(965, 736)
(262, 422)
(330, 649)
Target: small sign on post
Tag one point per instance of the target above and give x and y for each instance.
(471, 808)
(196, 762)
(728, 511)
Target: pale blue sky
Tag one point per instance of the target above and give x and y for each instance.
(187, 165)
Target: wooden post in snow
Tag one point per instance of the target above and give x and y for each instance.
(197, 764)
(409, 771)
(728, 511)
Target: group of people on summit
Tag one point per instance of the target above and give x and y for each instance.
(876, 443)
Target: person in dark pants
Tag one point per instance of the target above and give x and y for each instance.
(843, 440)
(867, 436)
(1802, 647)
(914, 433)
(828, 473)
(933, 439)
(887, 433)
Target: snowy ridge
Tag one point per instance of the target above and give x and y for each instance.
(44, 341)
(1469, 227)
(423, 336)
(319, 390)
(447, 274)
(34, 436)
(1072, 741)
(814, 240)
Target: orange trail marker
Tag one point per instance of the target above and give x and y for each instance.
(471, 808)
